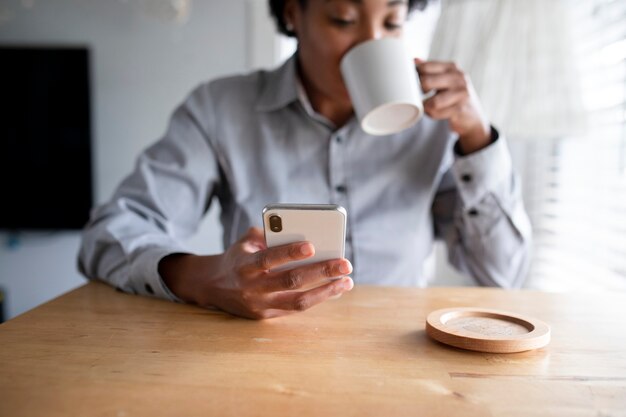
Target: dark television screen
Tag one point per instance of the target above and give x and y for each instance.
(45, 138)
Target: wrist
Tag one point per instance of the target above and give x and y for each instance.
(188, 276)
(475, 139)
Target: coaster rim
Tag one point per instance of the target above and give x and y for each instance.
(538, 331)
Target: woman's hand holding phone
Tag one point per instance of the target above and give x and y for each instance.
(251, 280)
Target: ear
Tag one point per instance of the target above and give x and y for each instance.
(291, 14)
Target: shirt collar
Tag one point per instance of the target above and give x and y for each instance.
(280, 87)
(308, 107)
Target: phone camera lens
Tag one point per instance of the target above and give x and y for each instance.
(276, 223)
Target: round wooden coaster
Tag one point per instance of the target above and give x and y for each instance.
(486, 330)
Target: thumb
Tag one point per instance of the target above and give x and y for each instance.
(254, 239)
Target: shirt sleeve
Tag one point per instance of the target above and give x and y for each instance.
(161, 202)
(479, 213)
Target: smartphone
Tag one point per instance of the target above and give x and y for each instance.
(324, 225)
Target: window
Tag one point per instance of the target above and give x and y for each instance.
(576, 186)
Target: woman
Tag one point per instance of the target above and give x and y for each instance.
(290, 135)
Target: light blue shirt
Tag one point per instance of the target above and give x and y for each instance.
(253, 139)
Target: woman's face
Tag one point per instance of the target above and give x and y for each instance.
(327, 29)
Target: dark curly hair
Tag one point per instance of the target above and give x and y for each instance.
(277, 8)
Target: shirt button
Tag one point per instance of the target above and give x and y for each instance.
(473, 212)
(340, 189)
(466, 177)
(339, 139)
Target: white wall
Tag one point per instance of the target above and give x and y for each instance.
(142, 68)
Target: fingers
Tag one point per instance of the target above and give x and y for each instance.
(443, 81)
(445, 104)
(270, 258)
(306, 276)
(264, 292)
(436, 67)
(300, 301)
(450, 85)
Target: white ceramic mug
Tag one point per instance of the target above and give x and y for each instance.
(383, 84)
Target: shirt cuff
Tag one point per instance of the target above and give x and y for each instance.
(145, 277)
(484, 171)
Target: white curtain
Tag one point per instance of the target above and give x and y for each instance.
(545, 70)
(519, 56)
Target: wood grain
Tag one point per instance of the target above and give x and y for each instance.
(98, 352)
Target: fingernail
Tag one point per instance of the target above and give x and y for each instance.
(345, 268)
(306, 249)
(348, 284)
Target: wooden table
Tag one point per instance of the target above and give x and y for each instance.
(98, 352)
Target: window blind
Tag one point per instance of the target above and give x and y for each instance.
(576, 187)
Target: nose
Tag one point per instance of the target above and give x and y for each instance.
(371, 31)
